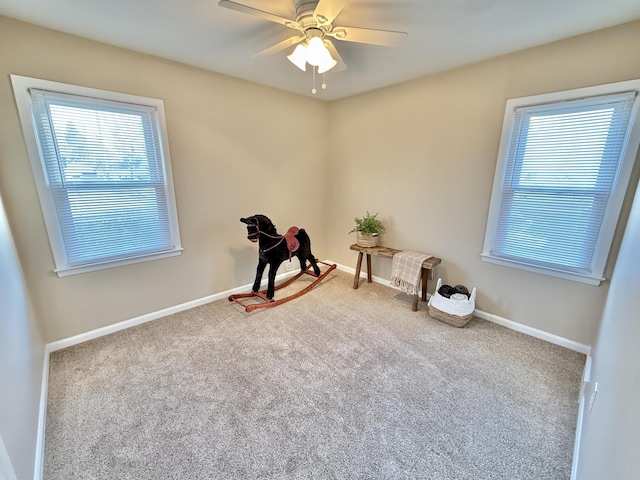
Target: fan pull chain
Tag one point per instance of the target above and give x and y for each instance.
(313, 90)
(324, 83)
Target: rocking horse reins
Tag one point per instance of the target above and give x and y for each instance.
(265, 250)
(257, 234)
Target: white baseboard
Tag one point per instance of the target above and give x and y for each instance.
(83, 337)
(352, 271)
(77, 339)
(42, 417)
(100, 332)
(6, 467)
(519, 327)
(534, 332)
(586, 378)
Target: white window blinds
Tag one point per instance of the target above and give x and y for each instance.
(561, 167)
(107, 187)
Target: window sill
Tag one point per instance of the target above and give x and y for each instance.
(576, 277)
(67, 271)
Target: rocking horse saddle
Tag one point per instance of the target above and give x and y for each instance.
(292, 242)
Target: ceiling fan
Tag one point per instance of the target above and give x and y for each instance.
(315, 29)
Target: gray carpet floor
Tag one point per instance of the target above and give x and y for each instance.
(338, 384)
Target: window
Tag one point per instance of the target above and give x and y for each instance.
(102, 169)
(563, 168)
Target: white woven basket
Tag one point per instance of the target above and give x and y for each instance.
(454, 312)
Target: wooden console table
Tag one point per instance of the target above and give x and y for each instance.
(428, 264)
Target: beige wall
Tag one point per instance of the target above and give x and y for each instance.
(610, 443)
(236, 149)
(21, 361)
(423, 155)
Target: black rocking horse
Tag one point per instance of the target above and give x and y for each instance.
(273, 250)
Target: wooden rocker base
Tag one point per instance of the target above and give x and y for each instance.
(274, 303)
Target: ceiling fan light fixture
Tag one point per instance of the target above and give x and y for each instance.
(314, 25)
(327, 64)
(316, 52)
(299, 57)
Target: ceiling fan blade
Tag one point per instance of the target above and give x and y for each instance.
(280, 46)
(239, 7)
(386, 38)
(327, 10)
(336, 56)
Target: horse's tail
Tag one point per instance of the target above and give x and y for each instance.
(305, 242)
(304, 252)
(302, 235)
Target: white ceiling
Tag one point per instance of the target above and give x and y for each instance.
(442, 34)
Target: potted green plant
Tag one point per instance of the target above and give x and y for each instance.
(368, 228)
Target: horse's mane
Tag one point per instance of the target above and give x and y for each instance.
(266, 225)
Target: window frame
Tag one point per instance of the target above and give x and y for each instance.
(616, 197)
(22, 86)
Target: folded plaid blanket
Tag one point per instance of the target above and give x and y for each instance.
(406, 269)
